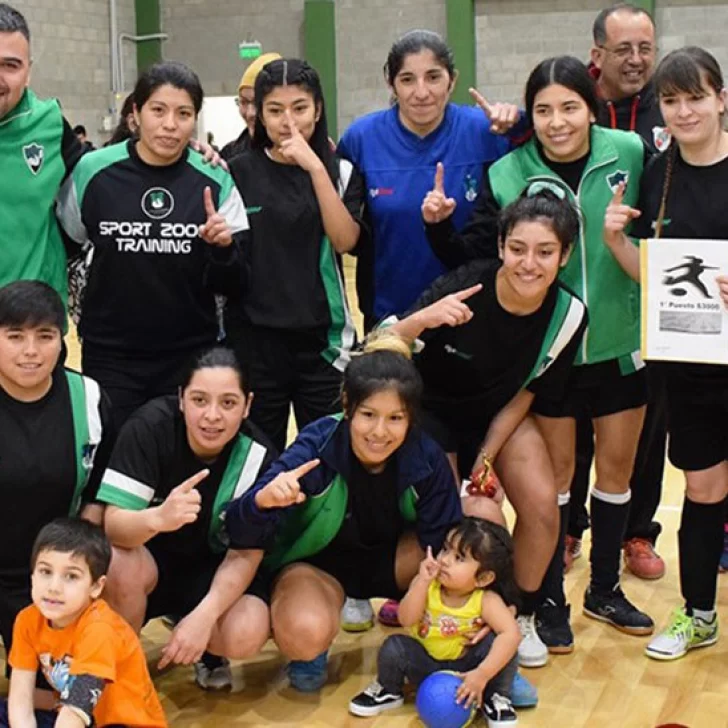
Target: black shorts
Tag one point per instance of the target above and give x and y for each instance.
(465, 439)
(182, 584)
(596, 390)
(698, 427)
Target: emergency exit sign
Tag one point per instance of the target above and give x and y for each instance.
(250, 49)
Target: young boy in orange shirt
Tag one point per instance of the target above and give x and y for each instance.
(89, 655)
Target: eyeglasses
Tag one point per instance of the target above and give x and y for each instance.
(244, 104)
(625, 50)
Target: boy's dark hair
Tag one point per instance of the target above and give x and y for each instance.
(78, 537)
(31, 303)
(599, 29)
(492, 547)
(79, 129)
(541, 204)
(13, 21)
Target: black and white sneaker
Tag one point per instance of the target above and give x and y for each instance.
(374, 700)
(615, 609)
(498, 711)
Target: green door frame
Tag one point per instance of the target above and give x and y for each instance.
(460, 17)
(319, 49)
(148, 21)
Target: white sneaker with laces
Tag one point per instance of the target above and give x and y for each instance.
(532, 652)
(357, 615)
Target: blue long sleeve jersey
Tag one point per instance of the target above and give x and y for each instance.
(399, 169)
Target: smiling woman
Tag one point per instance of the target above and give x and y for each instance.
(164, 233)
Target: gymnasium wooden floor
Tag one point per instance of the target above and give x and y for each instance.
(605, 683)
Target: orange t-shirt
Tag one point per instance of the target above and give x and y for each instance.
(98, 643)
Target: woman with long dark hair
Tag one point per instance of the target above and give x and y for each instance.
(292, 324)
(165, 231)
(682, 195)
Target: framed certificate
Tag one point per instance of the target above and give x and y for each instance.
(683, 317)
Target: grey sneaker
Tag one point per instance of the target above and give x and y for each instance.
(214, 678)
(357, 615)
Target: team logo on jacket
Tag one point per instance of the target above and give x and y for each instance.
(617, 178)
(157, 203)
(661, 138)
(34, 154)
(471, 187)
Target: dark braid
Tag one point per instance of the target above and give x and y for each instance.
(671, 154)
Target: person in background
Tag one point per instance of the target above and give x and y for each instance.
(246, 106)
(80, 131)
(622, 63)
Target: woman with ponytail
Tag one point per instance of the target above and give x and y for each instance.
(350, 508)
(682, 195)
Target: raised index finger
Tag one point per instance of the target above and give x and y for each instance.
(197, 478)
(209, 204)
(440, 178)
(618, 194)
(465, 294)
(481, 101)
(301, 470)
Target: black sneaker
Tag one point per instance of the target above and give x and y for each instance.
(374, 700)
(614, 608)
(552, 625)
(499, 713)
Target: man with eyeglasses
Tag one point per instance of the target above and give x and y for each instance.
(622, 62)
(246, 106)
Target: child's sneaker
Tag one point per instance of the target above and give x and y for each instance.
(723, 565)
(357, 615)
(499, 712)
(308, 676)
(554, 628)
(532, 652)
(374, 700)
(213, 673)
(683, 634)
(523, 694)
(389, 613)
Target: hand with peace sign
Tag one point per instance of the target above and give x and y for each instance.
(617, 217)
(284, 490)
(429, 567)
(181, 506)
(215, 231)
(502, 116)
(436, 207)
(297, 150)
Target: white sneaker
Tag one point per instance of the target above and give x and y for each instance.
(682, 634)
(499, 712)
(357, 615)
(217, 678)
(532, 652)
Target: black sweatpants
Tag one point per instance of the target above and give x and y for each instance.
(131, 381)
(285, 368)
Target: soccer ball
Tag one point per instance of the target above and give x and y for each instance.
(436, 704)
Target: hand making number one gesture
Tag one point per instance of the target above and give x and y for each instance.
(436, 207)
(617, 217)
(215, 231)
(285, 489)
(502, 116)
(296, 149)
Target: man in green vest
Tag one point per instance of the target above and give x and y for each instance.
(37, 150)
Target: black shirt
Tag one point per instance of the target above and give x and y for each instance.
(152, 457)
(293, 272)
(38, 468)
(695, 208)
(472, 371)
